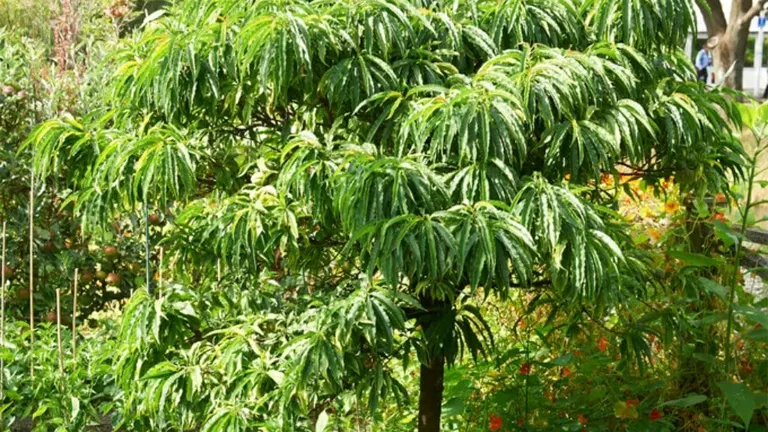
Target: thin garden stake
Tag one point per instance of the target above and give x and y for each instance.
(32, 277)
(146, 247)
(218, 270)
(58, 330)
(160, 270)
(74, 319)
(2, 319)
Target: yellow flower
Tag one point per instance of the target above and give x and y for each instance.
(624, 411)
(647, 213)
(654, 233)
(672, 206)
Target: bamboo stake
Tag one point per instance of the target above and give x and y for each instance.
(58, 330)
(146, 247)
(31, 277)
(218, 270)
(160, 270)
(2, 322)
(74, 319)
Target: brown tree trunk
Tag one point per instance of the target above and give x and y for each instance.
(730, 36)
(431, 395)
(730, 51)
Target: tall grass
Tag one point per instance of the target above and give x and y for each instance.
(31, 18)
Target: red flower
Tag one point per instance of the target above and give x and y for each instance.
(632, 402)
(495, 422)
(550, 395)
(566, 372)
(577, 353)
(746, 366)
(583, 420)
(655, 415)
(602, 344)
(719, 217)
(525, 369)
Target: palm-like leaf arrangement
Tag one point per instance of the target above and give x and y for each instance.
(420, 145)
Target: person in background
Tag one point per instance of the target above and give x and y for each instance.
(702, 62)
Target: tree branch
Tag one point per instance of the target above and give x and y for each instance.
(738, 9)
(752, 12)
(714, 18)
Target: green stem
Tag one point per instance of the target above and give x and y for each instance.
(737, 263)
(737, 266)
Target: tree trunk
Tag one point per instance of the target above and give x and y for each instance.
(431, 395)
(730, 50)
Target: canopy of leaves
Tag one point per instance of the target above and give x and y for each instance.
(432, 149)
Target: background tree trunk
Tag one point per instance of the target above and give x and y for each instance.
(431, 395)
(731, 50)
(730, 36)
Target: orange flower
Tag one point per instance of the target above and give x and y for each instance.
(720, 198)
(654, 233)
(525, 369)
(719, 217)
(495, 422)
(602, 344)
(633, 402)
(671, 206)
(583, 420)
(565, 372)
(655, 415)
(577, 353)
(606, 179)
(567, 177)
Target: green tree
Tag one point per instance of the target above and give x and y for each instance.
(437, 150)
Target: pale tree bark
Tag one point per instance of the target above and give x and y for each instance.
(730, 36)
